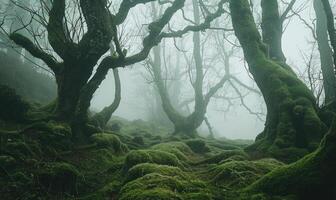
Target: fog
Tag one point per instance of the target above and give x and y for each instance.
(234, 121)
(237, 121)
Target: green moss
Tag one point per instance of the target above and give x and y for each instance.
(59, 177)
(157, 186)
(19, 150)
(287, 155)
(50, 135)
(312, 177)
(109, 141)
(198, 146)
(179, 149)
(238, 174)
(234, 158)
(156, 193)
(147, 168)
(150, 156)
(223, 156)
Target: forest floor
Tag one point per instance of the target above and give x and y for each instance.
(128, 161)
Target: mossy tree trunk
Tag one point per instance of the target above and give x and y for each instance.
(292, 124)
(272, 30)
(78, 59)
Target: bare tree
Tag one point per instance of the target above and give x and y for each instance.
(80, 42)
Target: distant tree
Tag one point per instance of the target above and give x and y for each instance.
(331, 26)
(326, 53)
(187, 124)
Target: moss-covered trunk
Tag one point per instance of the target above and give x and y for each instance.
(292, 126)
(272, 29)
(69, 84)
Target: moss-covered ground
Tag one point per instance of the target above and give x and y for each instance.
(128, 161)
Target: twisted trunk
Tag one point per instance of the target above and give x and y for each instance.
(292, 127)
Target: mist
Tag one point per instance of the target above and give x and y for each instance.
(168, 99)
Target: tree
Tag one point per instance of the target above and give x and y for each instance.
(331, 26)
(81, 51)
(292, 127)
(187, 124)
(326, 55)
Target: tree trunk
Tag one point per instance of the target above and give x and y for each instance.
(272, 30)
(292, 126)
(104, 116)
(331, 26)
(326, 55)
(70, 81)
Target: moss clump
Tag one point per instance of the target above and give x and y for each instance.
(150, 156)
(12, 106)
(50, 135)
(106, 140)
(198, 146)
(223, 156)
(234, 158)
(312, 177)
(179, 149)
(138, 140)
(156, 193)
(162, 187)
(59, 177)
(147, 168)
(238, 174)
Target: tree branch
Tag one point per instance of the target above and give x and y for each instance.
(35, 51)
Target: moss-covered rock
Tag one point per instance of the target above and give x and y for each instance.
(147, 168)
(150, 156)
(107, 140)
(198, 146)
(138, 140)
(59, 177)
(51, 135)
(162, 187)
(179, 149)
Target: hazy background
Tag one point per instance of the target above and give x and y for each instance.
(237, 122)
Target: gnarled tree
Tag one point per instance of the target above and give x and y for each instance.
(78, 57)
(292, 127)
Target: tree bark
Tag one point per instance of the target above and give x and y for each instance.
(331, 26)
(186, 124)
(272, 30)
(104, 116)
(326, 55)
(292, 125)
